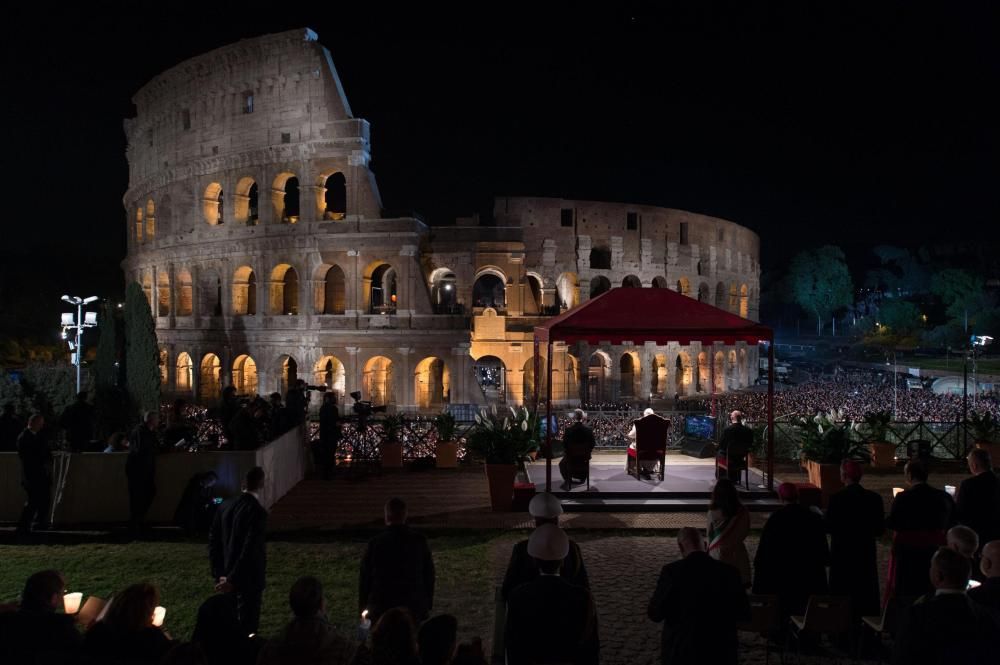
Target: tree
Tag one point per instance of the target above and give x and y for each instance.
(962, 294)
(142, 356)
(106, 362)
(821, 283)
(902, 317)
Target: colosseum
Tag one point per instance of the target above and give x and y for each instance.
(255, 227)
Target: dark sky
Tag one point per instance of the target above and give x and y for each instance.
(807, 122)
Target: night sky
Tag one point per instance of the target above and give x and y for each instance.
(808, 124)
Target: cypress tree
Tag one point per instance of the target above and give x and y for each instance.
(142, 356)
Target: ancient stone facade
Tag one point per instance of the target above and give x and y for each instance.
(255, 227)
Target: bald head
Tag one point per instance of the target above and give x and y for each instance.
(689, 540)
(990, 563)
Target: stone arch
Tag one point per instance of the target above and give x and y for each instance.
(568, 288)
(528, 383)
(600, 258)
(744, 301)
(734, 298)
(704, 293)
(599, 377)
(732, 371)
(185, 292)
(684, 286)
(288, 372)
(285, 197)
(138, 224)
(533, 294)
(444, 291)
(211, 204)
(658, 376)
(164, 363)
(683, 373)
(331, 196)
(245, 375)
(330, 289)
(565, 378)
(210, 378)
(704, 373)
(698, 269)
(720, 295)
(377, 381)
(244, 291)
(284, 292)
(598, 285)
(162, 293)
(744, 368)
(431, 383)
(246, 203)
(659, 282)
(150, 219)
(489, 290)
(631, 282)
(720, 372)
(329, 371)
(630, 373)
(380, 285)
(184, 373)
(491, 375)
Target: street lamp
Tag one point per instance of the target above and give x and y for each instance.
(78, 324)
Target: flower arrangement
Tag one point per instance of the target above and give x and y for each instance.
(827, 439)
(875, 426)
(503, 436)
(985, 428)
(446, 426)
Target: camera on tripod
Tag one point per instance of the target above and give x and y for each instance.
(364, 408)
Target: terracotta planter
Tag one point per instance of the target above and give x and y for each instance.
(992, 448)
(826, 477)
(501, 480)
(392, 455)
(883, 454)
(446, 455)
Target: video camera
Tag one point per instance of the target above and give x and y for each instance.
(364, 408)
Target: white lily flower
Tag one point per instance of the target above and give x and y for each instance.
(524, 425)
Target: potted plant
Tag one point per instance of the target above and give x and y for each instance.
(985, 432)
(503, 440)
(758, 451)
(826, 442)
(391, 449)
(875, 427)
(446, 449)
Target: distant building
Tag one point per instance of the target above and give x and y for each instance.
(255, 227)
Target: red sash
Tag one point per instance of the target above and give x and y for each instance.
(924, 538)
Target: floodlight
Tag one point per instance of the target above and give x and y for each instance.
(68, 299)
(67, 319)
(89, 299)
(981, 340)
(90, 318)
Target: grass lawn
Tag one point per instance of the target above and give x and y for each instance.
(983, 366)
(464, 578)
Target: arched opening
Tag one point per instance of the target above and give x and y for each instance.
(138, 225)
(246, 207)
(185, 293)
(704, 293)
(184, 374)
(289, 373)
(568, 289)
(377, 381)
(565, 381)
(629, 371)
(598, 378)
(704, 373)
(382, 290)
(150, 219)
(162, 294)
(684, 286)
(164, 362)
(658, 380)
(212, 204)
(698, 269)
(147, 290)
(720, 372)
(245, 376)
(600, 258)
(210, 379)
(732, 372)
(682, 373)
(743, 369)
(489, 291)
(335, 197)
(285, 198)
(284, 290)
(631, 282)
(244, 291)
(744, 301)
(444, 291)
(329, 372)
(491, 375)
(533, 299)
(734, 298)
(209, 293)
(599, 285)
(331, 291)
(528, 394)
(431, 384)
(720, 295)
(659, 282)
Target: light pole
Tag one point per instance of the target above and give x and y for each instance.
(77, 325)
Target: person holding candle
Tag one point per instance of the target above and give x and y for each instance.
(127, 632)
(37, 632)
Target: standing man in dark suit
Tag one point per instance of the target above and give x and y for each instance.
(946, 626)
(140, 468)
(855, 519)
(397, 569)
(329, 435)
(578, 444)
(920, 518)
(237, 550)
(979, 497)
(736, 440)
(36, 474)
(700, 601)
(550, 620)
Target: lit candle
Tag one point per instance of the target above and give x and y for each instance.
(950, 489)
(71, 602)
(364, 627)
(896, 491)
(158, 614)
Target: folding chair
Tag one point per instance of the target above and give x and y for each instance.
(825, 615)
(765, 620)
(879, 625)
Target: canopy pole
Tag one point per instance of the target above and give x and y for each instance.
(534, 407)
(770, 415)
(548, 417)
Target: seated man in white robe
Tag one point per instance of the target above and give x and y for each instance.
(647, 467)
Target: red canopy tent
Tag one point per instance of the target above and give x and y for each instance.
(639, 315)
